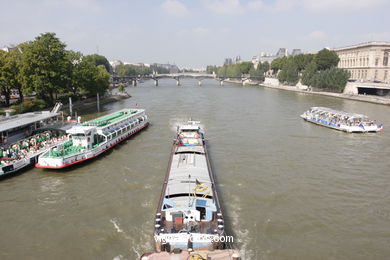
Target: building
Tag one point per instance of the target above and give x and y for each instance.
(367, 62)
(282, 52)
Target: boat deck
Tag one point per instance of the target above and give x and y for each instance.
(111, 118)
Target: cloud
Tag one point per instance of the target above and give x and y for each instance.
(257, 5)
(315, 6)
(235, 7)
(224, 6)
(316, 36)
(176, 8)
(197, 32)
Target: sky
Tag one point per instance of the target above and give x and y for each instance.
(195, 33)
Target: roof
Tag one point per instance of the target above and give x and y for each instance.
(185, 170)
(79, 129)
(362, 45)
(342, 113)
(113, 118)
(25, 119)
(189, 127)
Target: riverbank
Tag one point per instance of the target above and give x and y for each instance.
(92, 102)
(363, 98)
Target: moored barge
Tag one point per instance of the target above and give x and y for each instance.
(92, 138)
(189, 222)
(340, 120)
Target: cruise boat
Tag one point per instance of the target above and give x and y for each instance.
(25, 152)
(189, 221)
(92, 138)
(339, 120)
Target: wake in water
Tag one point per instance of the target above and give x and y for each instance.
(139, 244)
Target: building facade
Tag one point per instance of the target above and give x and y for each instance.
(266, 57)
(367, 62)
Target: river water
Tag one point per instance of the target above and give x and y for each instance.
(290, 189)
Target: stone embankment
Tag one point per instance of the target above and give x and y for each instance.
(274, 83)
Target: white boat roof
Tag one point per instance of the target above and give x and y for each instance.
(80, 129)
(25, 119)
(338, 112)
(185, 170)
(190, 149)
(189, 127)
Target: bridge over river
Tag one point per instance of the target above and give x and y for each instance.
(115, 79)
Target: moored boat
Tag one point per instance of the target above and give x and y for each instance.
(92, 138)
(25, 152)
(189, 220)
(340, 120)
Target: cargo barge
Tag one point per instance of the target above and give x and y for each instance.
(189, 222)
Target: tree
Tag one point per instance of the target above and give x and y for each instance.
(289, 73)
(278, 63)
(331, 79)
(308, 73)
(91, 79)
(326, 59)
(265, 66)
(258, 73)
(99, 60)
(302, 60)
(244, 66)
(210, 69)
(45, 66)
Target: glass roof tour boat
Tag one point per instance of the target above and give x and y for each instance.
(92, 138)
(339, 120)
(189, 222)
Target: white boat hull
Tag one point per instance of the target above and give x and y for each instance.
(62, 162)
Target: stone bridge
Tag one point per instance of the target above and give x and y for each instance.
(176, 76)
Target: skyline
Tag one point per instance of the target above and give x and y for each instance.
(195, 33)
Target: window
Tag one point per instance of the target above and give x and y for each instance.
(376, 61)
(376, 74)
(385, 59)
(385, 77)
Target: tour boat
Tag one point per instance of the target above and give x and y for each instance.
(25, 152)
(339, 120)
(92, 138)
(189, 219)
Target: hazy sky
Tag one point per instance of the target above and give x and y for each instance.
(195, 32)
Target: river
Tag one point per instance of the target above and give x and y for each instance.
(290, 189)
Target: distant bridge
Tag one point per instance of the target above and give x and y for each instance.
(176, 76)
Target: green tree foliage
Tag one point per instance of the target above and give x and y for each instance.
(302, 60)
(264, 66)
(129, 70)
(89, 78)
(289, 73)
(45, 68)
(210, 69)
(244, 66)
(257, 73)
(330, 79)
(308, 73)
(99, 60)
(9, 74)
(278, 63)
(326, 59)
(235, 70)
(158, 69)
